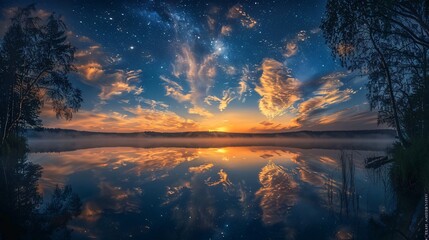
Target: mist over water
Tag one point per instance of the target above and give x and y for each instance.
(69, 144)
(217, 188)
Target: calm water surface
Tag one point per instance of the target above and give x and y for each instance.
(245, 192)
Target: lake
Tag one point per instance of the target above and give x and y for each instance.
(313, 189)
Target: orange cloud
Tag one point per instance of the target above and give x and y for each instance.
(237, 12)
(119, 82)
(117, 88)
(200, 111)
(226, 30)
(224, 101)
(278, 90)
(141, 119)
(291, 49)
(174, 90)
(91, 71)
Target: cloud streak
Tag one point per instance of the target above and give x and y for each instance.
(198, 74)
(132, 119)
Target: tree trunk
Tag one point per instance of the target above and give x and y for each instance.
(401, 137)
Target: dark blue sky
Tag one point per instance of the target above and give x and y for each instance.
(239, 66)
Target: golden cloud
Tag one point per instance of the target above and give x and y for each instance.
(278, 90)
(226, 30)
(175, 90)
(141, 120)
(117, 88)
(227, 97)
(291, 49)
(200, 111)
(237, 12)
(119, 82)
(91, 71)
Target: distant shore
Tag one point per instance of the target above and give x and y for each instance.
(48, 133)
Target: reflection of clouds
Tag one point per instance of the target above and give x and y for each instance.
(278, 193)
(312, 178)
(174, 193)
(130, 160)
(202, 168)
(91, 212)
(186, 199)
(223, 179)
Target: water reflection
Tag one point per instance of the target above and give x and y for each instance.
(278, 193)
(23, 213)
(202, 193)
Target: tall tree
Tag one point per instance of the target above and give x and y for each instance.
(35, 60)
(387, 40)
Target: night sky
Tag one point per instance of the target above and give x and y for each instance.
(237, 66)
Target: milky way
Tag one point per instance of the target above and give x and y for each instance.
(244, 66)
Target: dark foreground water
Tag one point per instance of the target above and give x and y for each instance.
(241, 192)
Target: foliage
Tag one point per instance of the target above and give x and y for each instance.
(23, 215)
(387, 41)
(411, 167)
(35, 60)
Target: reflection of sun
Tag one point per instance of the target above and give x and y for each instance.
(221, 150)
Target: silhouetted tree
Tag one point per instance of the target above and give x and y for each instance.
(35, 59)
(388, 41)
(23, 215)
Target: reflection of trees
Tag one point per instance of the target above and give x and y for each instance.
(22, 212)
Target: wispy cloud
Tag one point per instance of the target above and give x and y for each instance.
(227, 97)
(98, 68)
(119, 82)
(198, 74)
(327, 94)
(277, 88)
(131, 119)
(243, 85)
(154, 104)
(291, 46)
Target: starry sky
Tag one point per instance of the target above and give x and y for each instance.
(236, 66)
